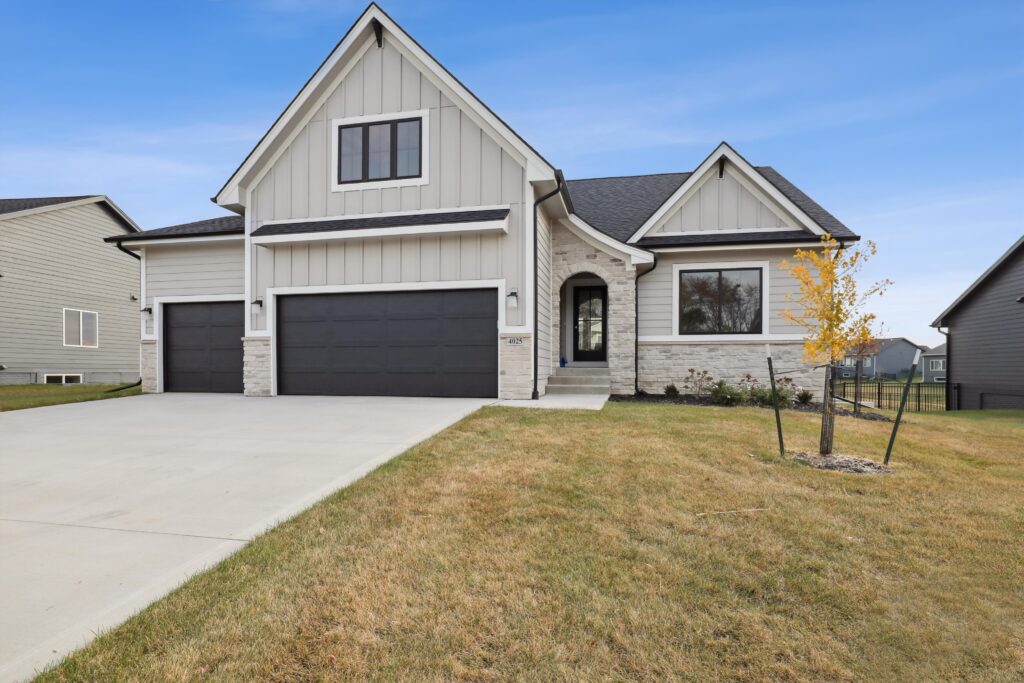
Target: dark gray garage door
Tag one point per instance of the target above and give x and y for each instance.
(437, 343)
(203, 346)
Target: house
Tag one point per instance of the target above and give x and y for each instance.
(985, 329)
(934, 363)
(68, 302)
(887, 358)
(392, 235)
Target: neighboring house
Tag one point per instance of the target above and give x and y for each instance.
(67, 313)
(887, 358)
(934, 363)
(985, 338)
(394, 236)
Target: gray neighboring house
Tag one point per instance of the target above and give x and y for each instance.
(890, 358)
(985, 338)
(933, 364)
(67, 313)
(392, 235)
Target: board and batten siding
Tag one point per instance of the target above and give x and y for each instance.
(54, 260)
(467, 168)
(215, 268)
(728, 203)
(545, 351)
(655, 288)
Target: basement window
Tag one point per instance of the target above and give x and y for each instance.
(62, 379)
(81, 328)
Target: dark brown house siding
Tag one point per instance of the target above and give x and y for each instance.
(986, 341)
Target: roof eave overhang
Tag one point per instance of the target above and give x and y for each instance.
(600, 240)
(138, 241)
(122, 218)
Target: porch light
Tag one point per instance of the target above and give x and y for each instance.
(148, 310)
(512, 299)
(257, 305)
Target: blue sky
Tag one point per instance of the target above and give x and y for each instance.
(905, 119)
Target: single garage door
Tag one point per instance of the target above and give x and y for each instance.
(203, 346)
(431, 343)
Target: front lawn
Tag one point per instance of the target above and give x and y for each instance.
(18, 396)
(643, 542)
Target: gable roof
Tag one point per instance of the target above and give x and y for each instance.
(351, 40)
(939, 350)
(1017, 246)
(25, 206)
(222, 225)
(619, 206)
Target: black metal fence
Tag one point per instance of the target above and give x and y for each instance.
(886, 395)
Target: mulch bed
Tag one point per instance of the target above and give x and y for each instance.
(693, 400)
(842, 463)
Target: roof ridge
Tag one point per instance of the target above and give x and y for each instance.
(635, 175)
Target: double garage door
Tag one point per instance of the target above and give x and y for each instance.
(431, 343)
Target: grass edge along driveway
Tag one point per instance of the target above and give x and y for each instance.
(533, 545)
(21, 396)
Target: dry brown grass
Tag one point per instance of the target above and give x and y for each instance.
(539, 545)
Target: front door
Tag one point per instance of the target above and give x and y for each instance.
(590, 318)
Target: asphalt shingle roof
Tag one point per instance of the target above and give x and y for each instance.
(25, 203)
(465, 216)
(222, 225)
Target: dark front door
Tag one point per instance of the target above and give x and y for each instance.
(430, 343)
(203, 346)
(590, 320)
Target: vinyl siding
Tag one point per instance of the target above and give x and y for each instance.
(727, 204)
(655, 289)
(56, 260)
(467, 167)
(545, 355)
(194, 270)
(986, 351)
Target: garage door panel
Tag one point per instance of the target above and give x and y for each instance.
(431, 343)
(202, 346)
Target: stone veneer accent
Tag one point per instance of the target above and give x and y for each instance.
(667, 363)
(572, 256)
(148, 369)
(515, 371)
(256, 369)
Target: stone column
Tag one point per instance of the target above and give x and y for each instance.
(256, 368)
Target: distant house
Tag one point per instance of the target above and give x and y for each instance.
(933, 363)
(985, 341)
(69, 309)
(887, 358)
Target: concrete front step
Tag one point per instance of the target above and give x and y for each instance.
(580, 379)
(578, 389)
(576, 371)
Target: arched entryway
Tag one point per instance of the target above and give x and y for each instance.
(583, 317)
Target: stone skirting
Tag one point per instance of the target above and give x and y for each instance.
(668, 363)
(515, 369)
(149, 368)
(572, 256)
(256, 367)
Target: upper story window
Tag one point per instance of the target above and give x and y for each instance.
(376, 151)
(81, 328)
(720, 301)
(936, 364)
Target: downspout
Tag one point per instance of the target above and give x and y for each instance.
(949, 365)
(636, 322)
(560, 182)
(127, 251)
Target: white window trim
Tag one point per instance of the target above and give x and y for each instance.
(270, 302)
(64, 329)
(422, 179)
(765, 289)
(933, 362)
(63, 376)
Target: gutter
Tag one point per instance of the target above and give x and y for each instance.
(126, 250)
(636, 326)
(560, 182)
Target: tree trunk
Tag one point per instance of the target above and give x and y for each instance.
(828, 412)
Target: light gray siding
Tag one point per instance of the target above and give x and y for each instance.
(467, 167)
(726, 203)
(655, 289)
(55, 260)
(545, 353)
(211, 268)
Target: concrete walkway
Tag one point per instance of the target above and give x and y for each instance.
(559, 402)
(107, 506)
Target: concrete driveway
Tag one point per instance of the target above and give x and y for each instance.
(106, 506)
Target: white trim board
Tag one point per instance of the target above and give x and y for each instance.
(270, 304)
(171, 241)
(384, 214)
(737, 247)
(422, 179)
(707, 166)
(677, 268)
(500, 225)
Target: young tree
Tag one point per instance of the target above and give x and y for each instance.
(833, 311)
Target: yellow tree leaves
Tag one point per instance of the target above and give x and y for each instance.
(831, 309)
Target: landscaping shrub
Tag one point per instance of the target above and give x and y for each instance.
(761, 396)
(804, 397)
(696, 382)
(725, 395)
(671, 390)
